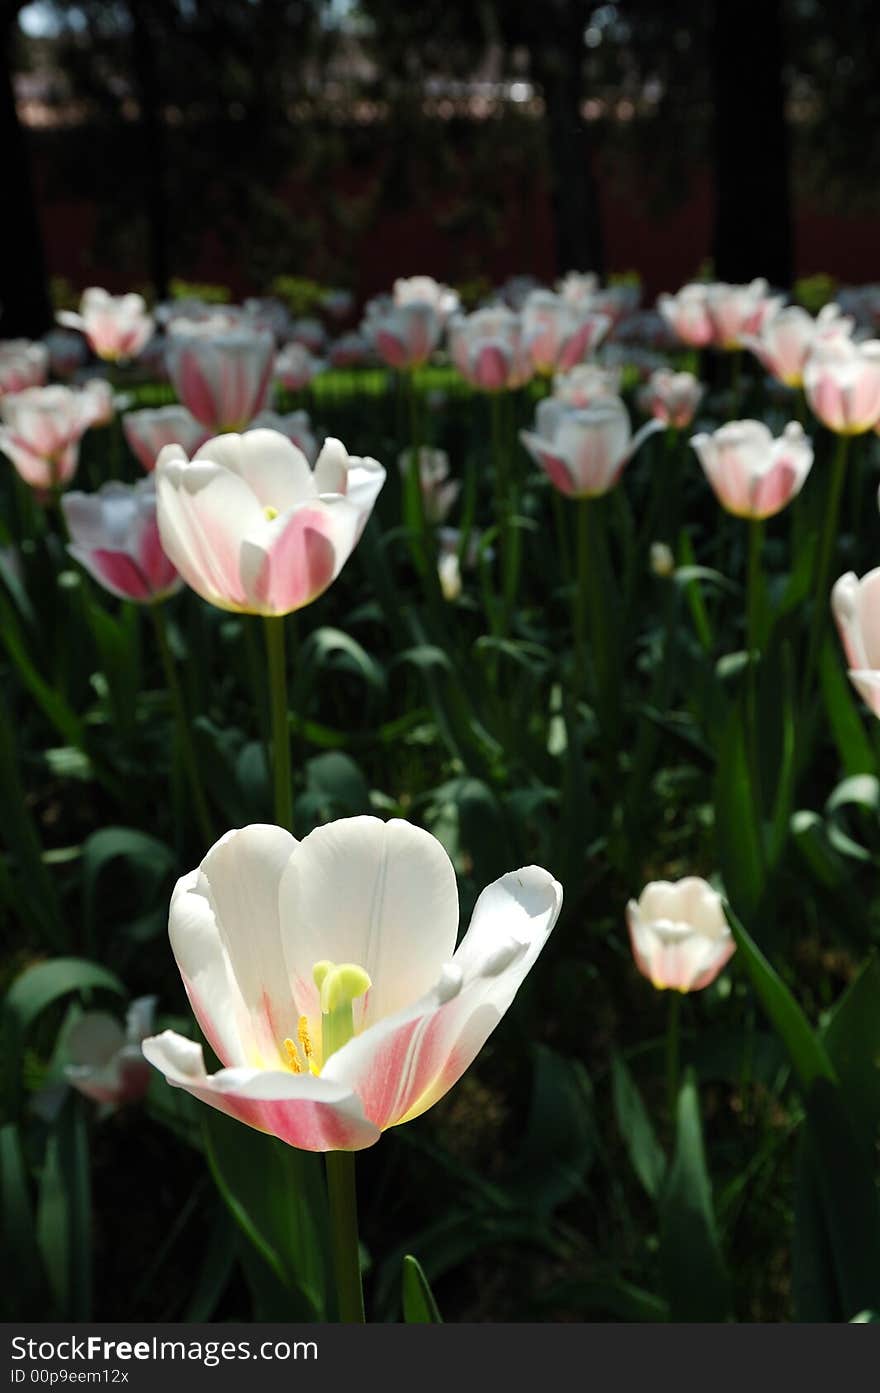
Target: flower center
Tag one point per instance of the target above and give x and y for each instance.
(270, 512)
(339, 985)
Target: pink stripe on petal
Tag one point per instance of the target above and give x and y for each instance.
(773, 490)
(299, 566)
(121, 574)
(195, 390)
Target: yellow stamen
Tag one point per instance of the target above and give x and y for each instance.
(303, 1034)
(292, 1056)
(271, 513)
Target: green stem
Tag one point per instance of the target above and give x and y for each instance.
(178, 706)
(753, 645)
(502, 501)
(754, 586)
(821, 603)
(415, 503)
(342, 1200)
(280, 753)
(673, 1051)
(581, 587)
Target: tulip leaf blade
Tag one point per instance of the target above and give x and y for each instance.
(806, 1051)
(645, 1152)
(19, 1252)
(737, 832)
(419, 1305)
(852, 1038)
(275, 1195)
(694, 1277)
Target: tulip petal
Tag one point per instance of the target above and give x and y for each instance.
(405, 1063)
(274, 469)
(313, 1114)
(383, 895)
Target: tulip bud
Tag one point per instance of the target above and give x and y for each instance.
(679, 935)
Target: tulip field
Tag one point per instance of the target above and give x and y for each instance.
(440, 769)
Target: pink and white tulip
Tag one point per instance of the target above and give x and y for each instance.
(150, 430)
(117, 326)
(115, 536)
(753, 475)
(687, 314)
(584, 451)
(788, 338)
(738, 312)
(578, 288)
(252, 528)
(41, 430)
(855, 605)
(222, 378)
(558, 334)
(671, 397)
(404, 336)
(23, 364)
(585, 384)
(106, 1062)
(325, 976)
(842, 383)
(295, 367)
(424, 290)
(487, 349)
(679, 935)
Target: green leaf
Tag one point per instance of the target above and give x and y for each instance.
(645, 1152)
(419, 1306)
(559, 1145)
(148, 867)
(64, 1213)
(19, 1253)
(860, 791)
(737, 835)
(808, 1055)
(693, 1273)
(335, 787)
(852, 1039)
(276, 1196)
(847, 727)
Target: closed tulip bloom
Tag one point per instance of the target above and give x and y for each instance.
(787, 339)
(487, 349)
(252, 528)
(439, 492)
(842, 383)
(404, 336)
(584, 451)
(23, 364)
(687, 314)
(753, 475)
(855, 605)
(41, 430)
(558, 334)
(295, 367)
(585, 384)
(738, 312)
(107, 1062)
(223, 378)
(671, 397)
(115, 536)
(150, 430)
(679, 935)
(325, 976)
(424, 290)
(578, 287)
(296, 425)
(117, 326)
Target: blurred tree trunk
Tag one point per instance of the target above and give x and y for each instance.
(25, 303)
(153, 145)
(753, 220)
(558, 65)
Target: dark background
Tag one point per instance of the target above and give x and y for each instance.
(231, 141)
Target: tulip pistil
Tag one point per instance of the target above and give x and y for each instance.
(339, 985)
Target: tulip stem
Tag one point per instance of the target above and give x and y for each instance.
(342, 1201)
(821, 601)
(280, 753)
(673, 1050)
(753, 646)
(178, 706)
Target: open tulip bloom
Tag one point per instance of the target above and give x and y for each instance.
(222, 376)
(487, 349)
(679, 935)
(558, 334)
(252, 528)
(106, 1062)
(787, 339)
(41, 430)
(671, 397)
(856, 607)
(325, 977)
(842, 383)
(150, 430)
(116, 326)
(115, 536)
(584, 451)
(753, 475)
